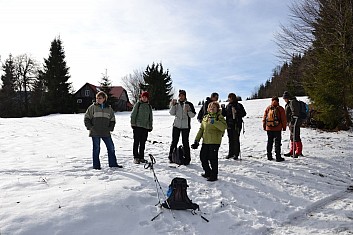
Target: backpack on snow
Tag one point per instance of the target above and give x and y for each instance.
(303, 110)
(178, 156)
(272, 118)
(177, 196)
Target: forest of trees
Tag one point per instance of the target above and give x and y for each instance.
(319, 47)
(29, 89)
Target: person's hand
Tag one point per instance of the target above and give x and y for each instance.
(173, 102)
(195, 145)
(186, 108)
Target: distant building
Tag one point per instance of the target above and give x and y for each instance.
(86, 95)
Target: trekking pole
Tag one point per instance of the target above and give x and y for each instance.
(295, 124)
(149, 165)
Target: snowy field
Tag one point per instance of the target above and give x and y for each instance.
(48, 186)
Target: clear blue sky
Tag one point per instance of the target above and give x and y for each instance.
(207, 45)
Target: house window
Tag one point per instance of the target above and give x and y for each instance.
(79, 101)
(87, 93)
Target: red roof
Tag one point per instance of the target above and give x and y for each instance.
(116, 91)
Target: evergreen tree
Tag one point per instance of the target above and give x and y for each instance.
(8, 99)
(37, 107)
(330, 73)
(159, 85)
(55, 77)
(106, 86)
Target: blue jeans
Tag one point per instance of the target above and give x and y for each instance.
(111, 151)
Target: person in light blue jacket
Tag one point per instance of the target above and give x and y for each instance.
(183, 111)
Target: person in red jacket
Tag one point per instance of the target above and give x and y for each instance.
(274, 121)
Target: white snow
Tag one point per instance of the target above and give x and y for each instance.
(48, 186)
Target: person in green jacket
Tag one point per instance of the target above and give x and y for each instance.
(100, 121)
(211, 131)
(141, 122)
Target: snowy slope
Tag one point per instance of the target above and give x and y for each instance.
(48, 186)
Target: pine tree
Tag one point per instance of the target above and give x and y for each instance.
(159, 85)
(8, 100)
(330, 73)
(55, 77)
(106, 86)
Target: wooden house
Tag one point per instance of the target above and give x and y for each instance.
(86, 95)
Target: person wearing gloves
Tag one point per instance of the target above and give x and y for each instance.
(211, 131)
(141, 120)
(100, 121)
(183, 111)
(274, 121)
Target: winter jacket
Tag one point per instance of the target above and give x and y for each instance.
(236, 122)
(99, 120)
(281, 117)
(182, 118)
(212, 133)
(141, 116)
(203, 110)
(292, 109)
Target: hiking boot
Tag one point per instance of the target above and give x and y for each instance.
(97, 168)
(270, 158)
(235, 158)
(229, 156)
(204, 175)
(280, 159)
(143, 160)
(289, 154)
(117, 166)
(136, 161)
(212, 178)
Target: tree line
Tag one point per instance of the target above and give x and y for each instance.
(318, 43)
(29, 89)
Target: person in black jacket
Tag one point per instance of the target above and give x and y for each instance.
(203, 111)
(234, 113)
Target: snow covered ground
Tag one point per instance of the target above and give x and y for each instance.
(48, 186)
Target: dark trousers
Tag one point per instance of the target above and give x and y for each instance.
(209, 159)
(297, 132)
(274, 136)
(185, 139)
(140, 138)
(234, 142)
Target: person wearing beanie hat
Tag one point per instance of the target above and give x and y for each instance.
(234, 113)
(141, 120)
(183, 111)
(100, 121)
(286, 95)
(203, 111)
(292, 110)
(145, 94)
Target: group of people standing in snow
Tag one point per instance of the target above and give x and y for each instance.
(214, 120)
(276, 119)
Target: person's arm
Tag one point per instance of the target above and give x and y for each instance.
(88, 118)
(112, 120)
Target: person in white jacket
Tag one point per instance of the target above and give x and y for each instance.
(183, 111)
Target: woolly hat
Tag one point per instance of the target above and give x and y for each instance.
(182, 92)
(145, 94)
(286, 95)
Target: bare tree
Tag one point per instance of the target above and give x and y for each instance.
(132, 84)
(26, 70)
(298, 36)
